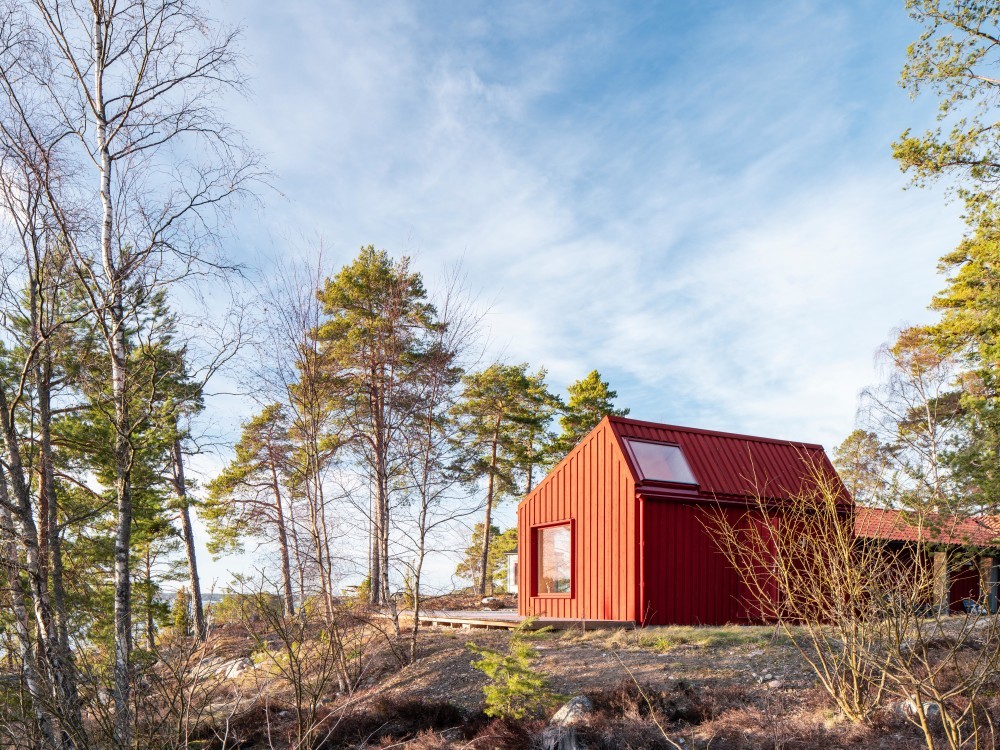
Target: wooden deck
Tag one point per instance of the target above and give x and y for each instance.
(508, 619)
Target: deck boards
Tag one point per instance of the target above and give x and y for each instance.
(509, 619)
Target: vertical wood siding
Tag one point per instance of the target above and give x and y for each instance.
(688, 579)
(594, 487)
(660, 564)
(964, 582)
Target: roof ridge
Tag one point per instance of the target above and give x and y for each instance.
(718, 433)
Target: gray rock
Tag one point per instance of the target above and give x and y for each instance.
(560, 738)
(573, 712)
(908, 708)
(233, 668)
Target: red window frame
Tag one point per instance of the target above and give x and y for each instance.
(535, 566)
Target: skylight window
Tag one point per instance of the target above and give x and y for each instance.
(659, 462)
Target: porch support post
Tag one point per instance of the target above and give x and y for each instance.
(987, 583)
(942, 582)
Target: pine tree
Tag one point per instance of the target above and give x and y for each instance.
(500, 407)
(515, 689)
(590, 400)
(248, 497)
(865, 466)
(954, 59)
(378, 335)
(181, 613)
(470, 568)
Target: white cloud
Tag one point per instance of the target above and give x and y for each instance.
(700, 204)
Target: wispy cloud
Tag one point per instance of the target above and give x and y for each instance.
(697, 199)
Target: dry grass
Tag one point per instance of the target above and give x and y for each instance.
(665, 639)
(715, 688)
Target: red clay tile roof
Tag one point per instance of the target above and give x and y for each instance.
(898, 526)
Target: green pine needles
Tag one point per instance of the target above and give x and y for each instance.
(181, 613)
(515, 689)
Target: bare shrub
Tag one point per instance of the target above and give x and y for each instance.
(629, 699)
(870, 619)
(314, 657)
(802, 569)
(943, 668)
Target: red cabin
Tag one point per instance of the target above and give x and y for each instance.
(617, 530)
(966, 565)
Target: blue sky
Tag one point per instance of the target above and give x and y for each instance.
(697, 199)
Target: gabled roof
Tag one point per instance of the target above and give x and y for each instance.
(899, 526)
(727, 464)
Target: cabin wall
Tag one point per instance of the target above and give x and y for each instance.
(592, 487)
(965, 580)
(688, 580)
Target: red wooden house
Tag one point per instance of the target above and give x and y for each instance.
(965, 549)
(617, 530)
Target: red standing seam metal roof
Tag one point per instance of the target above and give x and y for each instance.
(898, 526)
(727, 464)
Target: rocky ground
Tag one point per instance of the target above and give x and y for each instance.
(711, 688)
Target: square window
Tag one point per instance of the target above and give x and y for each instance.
(660, 462)
(555, 559)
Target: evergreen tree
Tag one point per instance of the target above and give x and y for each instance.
(500, 406)
(159, 390)
(515, 689)
(865, 466)
(496, 564)
(590, 400)
(377, 337)
(969, 330)
(954, 59)
(181, 613)
(248, 498)
(536, 435)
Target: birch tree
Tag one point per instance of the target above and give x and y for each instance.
(297, 407)
(434, 471)
(129, 94)
(915, 414)
(35, 292)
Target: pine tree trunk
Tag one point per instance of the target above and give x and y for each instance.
(150, 625)
(484, 562)
(48, 500)
(300, 568)
(187, 531)
(74, 719)
(380, 531)
(286, 564)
